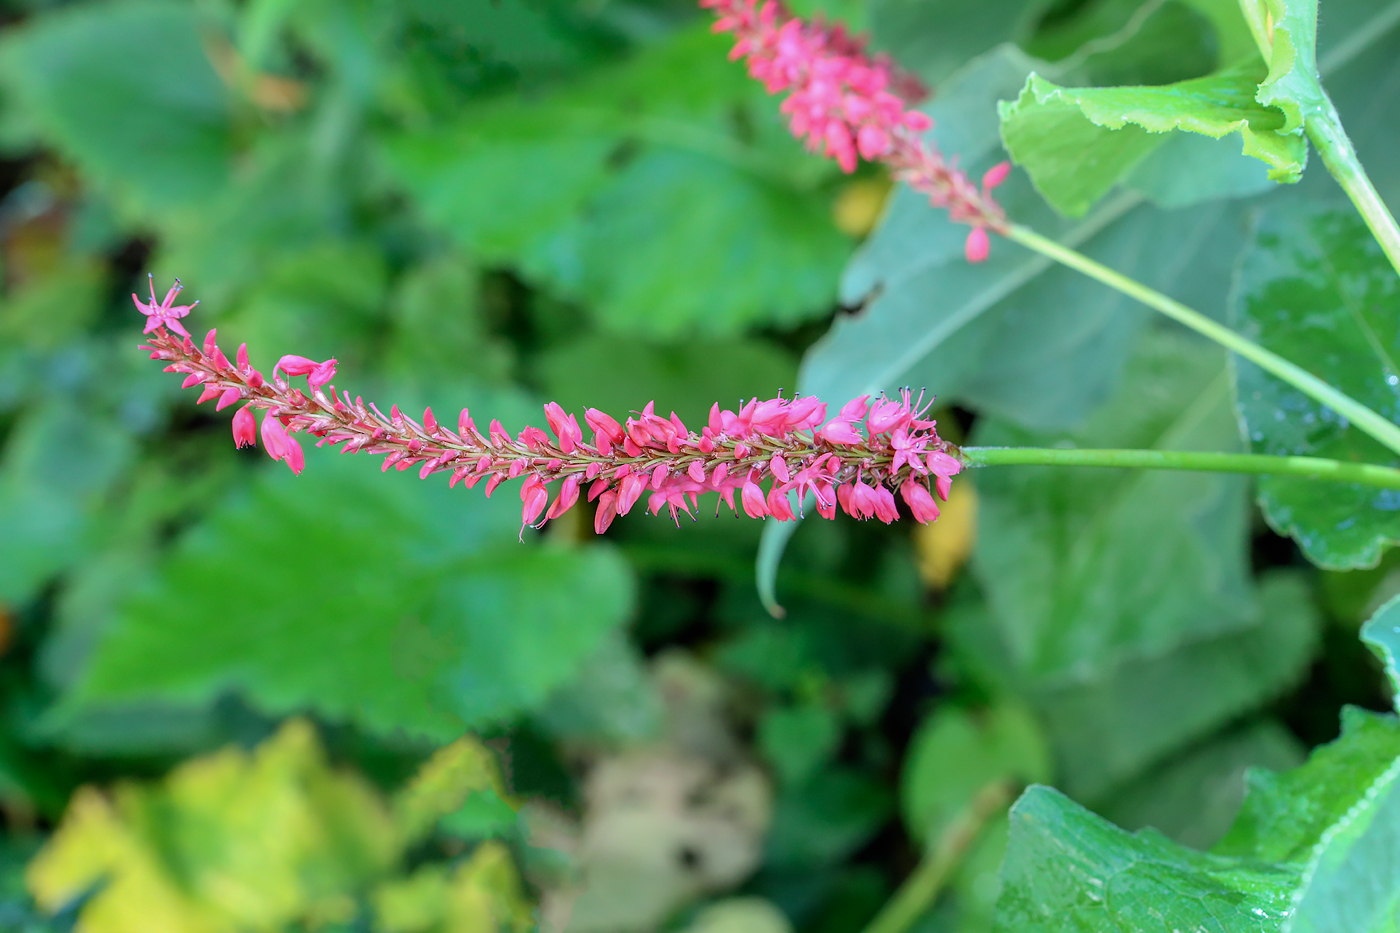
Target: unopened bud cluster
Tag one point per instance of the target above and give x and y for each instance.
(847, 105)
(762, 454)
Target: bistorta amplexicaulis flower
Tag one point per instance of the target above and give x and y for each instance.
(851, 106)
(768, 452)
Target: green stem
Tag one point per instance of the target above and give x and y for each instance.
(1338, 471)
(920, 889)
(1364, 418)
(1339, 155)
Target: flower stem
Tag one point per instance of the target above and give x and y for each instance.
(1339, 155)
(1364, 418)
(1367, 474)
(920, 889)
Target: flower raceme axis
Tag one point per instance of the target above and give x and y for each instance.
(762, 454)
(850, 106)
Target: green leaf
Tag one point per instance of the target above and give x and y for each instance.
(1316, 289)
(934, 38)
(1110, 592)
(1382, 634)
(1084, 567)
(676, 201)
(125, 90)
(1011, 336)
(1313, 849)
(955, 754)
(1292, 84)
(1077, 142)
(1066, 868)
(797, 740)
(369, 598)
(1194, 797)
(57, 465)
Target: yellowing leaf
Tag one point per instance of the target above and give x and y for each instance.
(944, 546)
(443, 784)
(483, 895)
(230, 842)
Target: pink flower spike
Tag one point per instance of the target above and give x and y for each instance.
(245, 428)
(979, 246)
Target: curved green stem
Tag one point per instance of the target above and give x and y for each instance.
(1358, 414)
(1339, 155)
(920, 889)
(1337, 471)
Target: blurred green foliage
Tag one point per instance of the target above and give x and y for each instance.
(222, 687)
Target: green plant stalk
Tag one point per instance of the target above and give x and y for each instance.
(1358, 414)
(1337, 471)
(1339, 155)
(921, 889)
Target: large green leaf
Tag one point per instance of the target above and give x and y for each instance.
(368, 598)
(1067, 869)
(675, 201)
(1076, 143)
(126, 91)
(1013, 336)
(1083, 566)
(1120, 602)
(1313, 849)
(1316, 289)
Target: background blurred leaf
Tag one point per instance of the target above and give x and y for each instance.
(127, 92)
(956, 753)
(231, 841)
(1316, 288)
(1080, 624)
(58, 464)
(398, 606)
(672, 155)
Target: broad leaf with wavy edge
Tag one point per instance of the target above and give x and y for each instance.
(1076, 143)
(1316, 289)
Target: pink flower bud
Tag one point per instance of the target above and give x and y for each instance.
(230, 396)
(840, 432)
(607, 511)
(921, 503)
(855, 409)
(778, 505)
(321, 374)
(872, 142)
(568, 495)
(752, 499)
(245, 428)
(274, 437)
(978, 247)
(995, 175)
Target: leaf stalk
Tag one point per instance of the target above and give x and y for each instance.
(1324, 128)
(1368, 420)
(1337, 471)
(922, 888)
